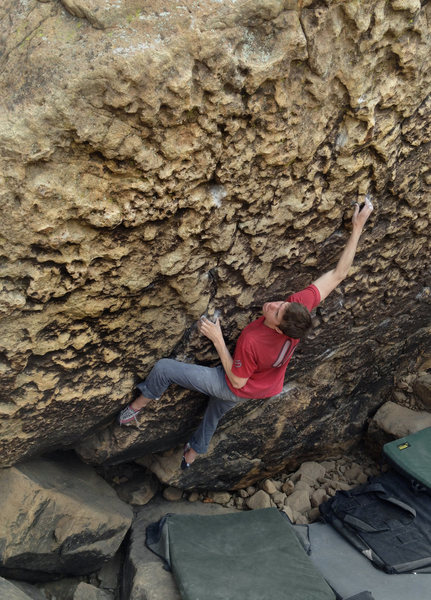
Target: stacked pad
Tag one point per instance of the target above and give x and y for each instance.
(387, 521)
(348, 571)
(251, 555)
(411, 456)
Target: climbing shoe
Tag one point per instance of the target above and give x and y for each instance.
(184, 464)
(128, 414)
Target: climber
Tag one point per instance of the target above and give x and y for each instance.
(263, 351)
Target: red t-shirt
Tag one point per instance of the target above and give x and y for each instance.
(262, 354)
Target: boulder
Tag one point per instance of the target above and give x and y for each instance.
(269, 486)
(172, 494)
(259, 500)
(289, 512)
(354, 472)
(299, 501)
(161, 161)
(139, 490)
(311, 470)
(68, 589)
(58, 518)
(240, 503)
(300, 519)
(84, 591)
(317, 497)
(288, 487)
(342, 485)
(400, 421)
(422, 388)
(219, 497)
(313, 515)
(279, 498)
(302, 485)
(10, 591)
(108, 577)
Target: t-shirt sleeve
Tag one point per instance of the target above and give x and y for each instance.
(244, 362)
(309, 297)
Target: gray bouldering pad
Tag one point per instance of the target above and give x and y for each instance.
(251, 555)
(348, 572)
(144, 574)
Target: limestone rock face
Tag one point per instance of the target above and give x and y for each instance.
(161, 161)
(58, 517)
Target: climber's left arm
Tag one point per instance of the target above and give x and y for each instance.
(330, 280)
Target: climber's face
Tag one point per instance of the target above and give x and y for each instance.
(274, 312)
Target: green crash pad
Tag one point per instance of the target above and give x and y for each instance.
(253, 555)
(411, 456)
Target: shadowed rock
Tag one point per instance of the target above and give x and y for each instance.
(59, 518)
(9, 591)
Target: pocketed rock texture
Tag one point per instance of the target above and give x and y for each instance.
(164, 160)
(58, 518)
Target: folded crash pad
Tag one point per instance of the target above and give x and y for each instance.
(386, 520)
(253, 555)
(348, 571)
(411, 456)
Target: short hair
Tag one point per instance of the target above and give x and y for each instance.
(296, 320)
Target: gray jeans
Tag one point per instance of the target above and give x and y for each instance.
(207, 380)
